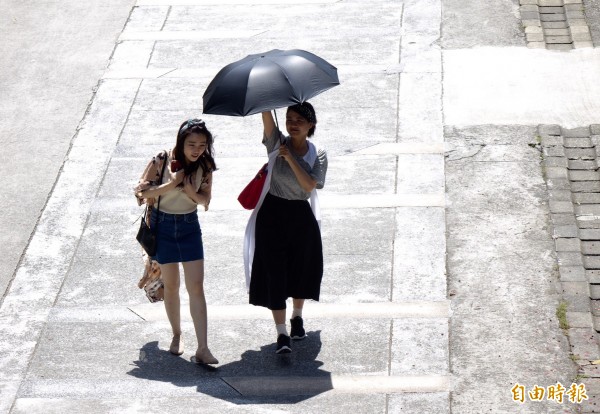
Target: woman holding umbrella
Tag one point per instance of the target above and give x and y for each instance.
(288, 255)
(283, 254)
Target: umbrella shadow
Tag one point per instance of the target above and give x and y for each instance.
(258, 377)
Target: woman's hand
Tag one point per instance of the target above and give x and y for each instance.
(189, 187)
(138, 189)
(284, 152)
(150, 190)
(177, 177)
(306, 181)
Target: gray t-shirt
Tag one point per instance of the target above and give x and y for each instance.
(283, 180)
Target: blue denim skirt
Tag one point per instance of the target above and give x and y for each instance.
(179, 238)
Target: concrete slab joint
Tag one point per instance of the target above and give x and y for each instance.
(555, 24)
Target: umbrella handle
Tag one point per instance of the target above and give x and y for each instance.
(276, 123)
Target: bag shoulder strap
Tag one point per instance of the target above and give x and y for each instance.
(162, 172)
(149, 207)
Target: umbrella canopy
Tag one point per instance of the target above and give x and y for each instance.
(266, 81)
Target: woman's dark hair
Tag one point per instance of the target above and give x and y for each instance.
(306, 111)
(206, 160)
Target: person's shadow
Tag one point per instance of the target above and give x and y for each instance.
(259, 377)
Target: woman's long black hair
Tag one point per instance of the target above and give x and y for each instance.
(206, 161)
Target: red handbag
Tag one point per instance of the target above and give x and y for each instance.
(249, 196)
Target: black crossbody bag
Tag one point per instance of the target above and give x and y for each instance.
(145, 236)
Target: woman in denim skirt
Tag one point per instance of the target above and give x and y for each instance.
(186, 183)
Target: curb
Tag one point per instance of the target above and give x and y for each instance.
(570, 165)
(555, 24)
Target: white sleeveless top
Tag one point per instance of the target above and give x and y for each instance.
(176, 201)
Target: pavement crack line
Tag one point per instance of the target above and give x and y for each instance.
(390, 348)
(470, 154)
(136, 314)
(166, 19)
(166, 73)
(231, 386)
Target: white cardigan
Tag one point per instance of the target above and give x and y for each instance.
(249, 237)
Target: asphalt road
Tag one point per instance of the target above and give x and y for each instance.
(52, 55)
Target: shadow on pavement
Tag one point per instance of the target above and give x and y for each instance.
(259, 377)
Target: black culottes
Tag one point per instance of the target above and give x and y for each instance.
(288, 255)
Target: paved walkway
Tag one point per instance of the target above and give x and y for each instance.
(378, 301)
(388, 335)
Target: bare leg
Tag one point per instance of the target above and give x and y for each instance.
(279, 316)
(170, 276)
(194, 281)
(298, 303)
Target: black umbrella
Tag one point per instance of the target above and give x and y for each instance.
(266, 81)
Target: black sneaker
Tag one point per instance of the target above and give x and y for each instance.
(283, 344)
(297, 332)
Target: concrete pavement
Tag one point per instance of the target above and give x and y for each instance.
(439, 291)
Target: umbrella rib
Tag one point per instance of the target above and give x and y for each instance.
(285, 74)
(291, 84)
(245, 93)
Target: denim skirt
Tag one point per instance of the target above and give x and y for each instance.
(178, 237)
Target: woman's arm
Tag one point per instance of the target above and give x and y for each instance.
(306, 181)
(143, 183)
(268, 123)
(203, 195)
(158, 190)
